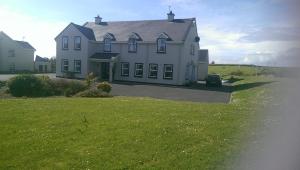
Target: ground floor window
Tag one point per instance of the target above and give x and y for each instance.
(125, 69)
(139, 67)
(77, 66)
(40, 68)
(153, 69)
(168, 71)
(64, 65)
(12, 68)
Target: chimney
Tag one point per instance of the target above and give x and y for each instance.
(98, 20)
(171, 16)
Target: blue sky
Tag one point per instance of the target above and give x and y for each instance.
(235, 31)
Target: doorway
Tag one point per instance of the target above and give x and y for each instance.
(104, 71)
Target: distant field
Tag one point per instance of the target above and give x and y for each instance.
(127, 132)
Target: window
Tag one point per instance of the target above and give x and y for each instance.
(64, 65)
(168, 71)
(65, 43)
(161, 45)
(125, 69)
(153, 69)
(139, 67)
(11, 53)
(77, 43)
(40, 68)
(132, 45)
(77, 66)
(46, 69)
(107, 45)
(12, 67)
(192, 49)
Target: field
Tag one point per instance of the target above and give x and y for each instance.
(128, 133)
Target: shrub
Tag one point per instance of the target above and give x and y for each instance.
(69, 74)
(26, 85)
(67, 87)
(90, 78)
(237, 73)
(93, 92)
(104, 86)
(2, 84)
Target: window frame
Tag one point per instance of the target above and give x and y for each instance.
(165, 71)
(150, 70)
(158, 47)
(134, 44)
(192, 52)
(105, 44)
(63, 65)
(75, 61)
(122, 68)
(63, 42)
(136, 69)
(75, 47)
(12, 67)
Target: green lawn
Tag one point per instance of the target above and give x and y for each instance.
(126, 133)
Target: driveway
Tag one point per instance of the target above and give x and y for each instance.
(181, 93)
(4, 77)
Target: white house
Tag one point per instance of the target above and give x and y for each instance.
(15, 56)
(42, 64)
(153, 51)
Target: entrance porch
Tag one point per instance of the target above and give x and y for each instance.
(103, 65)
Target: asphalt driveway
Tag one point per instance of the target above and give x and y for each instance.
(181, 93)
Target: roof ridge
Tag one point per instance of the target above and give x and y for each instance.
(142, 20)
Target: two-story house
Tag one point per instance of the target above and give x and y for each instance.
(15, 56)
(153, 51)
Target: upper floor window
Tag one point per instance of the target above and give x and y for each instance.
(161, 45)
(11, 53)
(77, 66)
(65, 43)
(132, 45)
(77, 43)
(107, 45)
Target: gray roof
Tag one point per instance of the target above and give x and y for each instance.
(41, 59)
(87, 32)
(148, 30)
(25, 44)
(104, 55)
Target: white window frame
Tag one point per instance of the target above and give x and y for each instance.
(161, 45)
(124, 68)
(77, 66)
(107, 45)
(65, 43)
(168, 71)
(77, 44)
(65, 65)
(151, 69)
(137, 70)
(12, 67)
(132, 45)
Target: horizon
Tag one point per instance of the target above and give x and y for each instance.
(230, 30)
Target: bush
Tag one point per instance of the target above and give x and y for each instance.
(93, 92)
(104, 86)
(90, 78)
(67, 87)
(237, 73)
(2, 84)
(26, 85)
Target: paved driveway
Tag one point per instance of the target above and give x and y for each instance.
(195, 94)
(4, 77)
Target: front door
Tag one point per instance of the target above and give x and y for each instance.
(105, 71)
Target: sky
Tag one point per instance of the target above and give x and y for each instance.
(262, 32)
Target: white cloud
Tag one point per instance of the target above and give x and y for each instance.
(39, 33)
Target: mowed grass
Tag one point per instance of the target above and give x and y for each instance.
(125, 132)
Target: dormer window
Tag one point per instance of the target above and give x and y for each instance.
(161, 45)
(132, 45)
(65, 43)
(77, 43)
(107, 45)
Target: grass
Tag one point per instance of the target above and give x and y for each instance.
(125, 132)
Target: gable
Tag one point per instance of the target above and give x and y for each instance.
(86, 32)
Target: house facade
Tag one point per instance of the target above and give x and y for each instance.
(42, 64)
(15, 56)
(151, 51)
